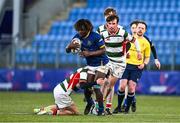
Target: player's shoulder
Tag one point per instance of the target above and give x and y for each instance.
(101, 29)
(76, 36)
(121, 27)
(147, 38)
(146, 42)
(122, 31)
(95, 35)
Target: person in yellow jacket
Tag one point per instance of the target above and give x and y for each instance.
(134, 68)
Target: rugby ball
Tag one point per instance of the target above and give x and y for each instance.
(76, 41)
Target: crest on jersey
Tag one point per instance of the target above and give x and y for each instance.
(89, 43)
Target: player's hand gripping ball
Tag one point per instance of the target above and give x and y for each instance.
(77, 42)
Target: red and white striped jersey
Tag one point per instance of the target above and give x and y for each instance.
(70, 83)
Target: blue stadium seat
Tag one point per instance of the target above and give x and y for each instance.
(24, 56)
(177, 59)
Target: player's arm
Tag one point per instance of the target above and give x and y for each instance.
(153, 50)
(146, 61)
(132, 39)
(157, 62)
(100, 51)
(72, 45)
(100, 43)
(68, 48)
(87, 53)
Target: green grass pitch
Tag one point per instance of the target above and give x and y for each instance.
(18, 107)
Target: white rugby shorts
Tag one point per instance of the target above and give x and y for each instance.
(62, 99)
(117, 69)
(92, 69)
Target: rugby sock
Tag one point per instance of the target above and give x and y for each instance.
(129, 101)
(54, 111)
(101, 107)
(96, 106)
(134, 99)
(87, 93)
(120, 97)
(108, 105)
(125, 102)
(90, 101)
(109, 99)
(99, 99)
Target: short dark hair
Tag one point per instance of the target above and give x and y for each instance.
(112, 17)
(134, 22)
(137, 22)
(108, 10)
(83, 25)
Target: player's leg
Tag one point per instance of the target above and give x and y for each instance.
(104, 88)
(73, 108)
(87, 93)
(133, 106)
(100, 74)
(125, 99)
(117, 69)
(70, 110)
(99, 99)
(109, 100)
(45, 110)
(98, 93)
(64, 111)
(37, 110)
(121, 95)
(135, 75)
(62, 100)
(131, 93)
(110, 93)
(50, 110)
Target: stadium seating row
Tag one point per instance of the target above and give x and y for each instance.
(138, 3)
